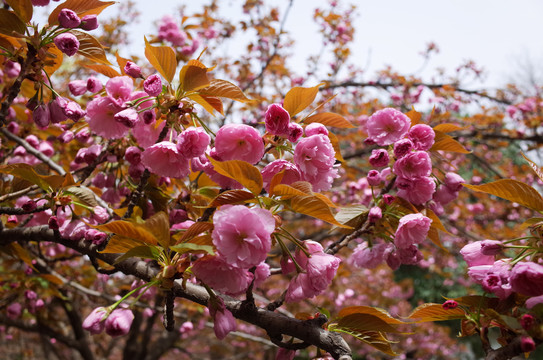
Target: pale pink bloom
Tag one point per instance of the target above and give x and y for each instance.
(422, 136)
(379, 158)
(277, 120)
(93, 322)
(242, 235)
(413, 165)
(193, 142)
(291, 173)
(12, 68)
(295, 132)
(315, 157)
(533, 301)
(402, 147)
(223, 323)
(417, 191)
(73, 111)
(387, 126)
(473, 256)
(119, 89)
(14, 310)
(163, 159)
(100, 117)
(221, 276)
(413, 229)
(316, 128)
(128, 117)
(239, 142)
(118, 323)
(153, 85)
(67, 43)
(73, 230)
(527, 278)
(368, 257)
(77, 87)
(262, 272)
(147, 135)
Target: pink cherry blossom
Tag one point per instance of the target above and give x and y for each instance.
(67, 43)
(417, 191)
(164, 159)
(368, 257)
(100, 117)
(387, 126)
(242, 235)
(223, 323)
(215, 272)
(239, 142)
(119, 89)
(316, 128)
(402, 147)
(379, 158)
(277, 120)
(118, 323)
(413, 229)
(315, 157)
(68, 19)
(193, 142)
(413, 165)
(527, 278)
(77, 87)
(93, 322)
(153, 85)
(473, 256)
(89, 22)
(291, 172)
(422, 136)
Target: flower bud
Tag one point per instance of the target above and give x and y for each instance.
(374, 178)
(89, 22)
(118, 323)
(133, 70)
(68, 19)
(67, 43)
(153, 85)
(450, 304)
(379, 158)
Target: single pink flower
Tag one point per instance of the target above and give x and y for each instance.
(413, 229)
(239, 142)
(277, 120)
(527, 278)
(242, 235)
(223, 323)
(93, 322)
(147, 134)
(444, 195)
(368, 257)
(193, 142)
(387, 126)
(295, 132)
(94, 84)
(89, 22)
(315, 157)
(527, 344)
(491, 247)
(41, 116)
(133, 155)
(413, 165)
(417, 191)
(379, 158)
(497, 279)
(215, 272)
(316, 128)
(118, 323)
(67, 43)
(163, 159)
(119, 89)
(291, 173)
(100, 116)
(132, 70)
(374, 178)
(410, 255)
(77, 87)
(473, 256)
(153, 85)
(128, 117)
(454, 181)
(422, 136)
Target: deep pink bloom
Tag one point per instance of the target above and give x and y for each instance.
(153, 85)
(93, 323)
(413, 229)
(56, 109)
(131, 69)
(14, 310)
(277, 120)
(315, 157)
(527, 321)
(193, 142)
(402, 147)
(295, 132)
(410, 255)
(119, 89)
(316, 128)
(449, 304)
(221, 276)
(497, 279)
(422, 136)
(100, 116)
(77, 87)
(379, 158)
(444, 195)
(417, 191)
(128, 117)
(133, 155)
(68, 19)
(40, 2)
(94, 85)
(387, 126)
(67, 43)
(73, 111)
(147, 134)
(285, 354)
(242, 235)
(454, 181)
(413, 165)
(239, 142)
(491, 247)
(163, 159)
(89, 22)
(118, 323)
(374, 178)
(368, 257)
(375, 214)
(473, 256)
(527, 278)
(527, 344)
(291, 173)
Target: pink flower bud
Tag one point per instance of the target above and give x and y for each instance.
(277, 120)
(379, 158)
(68, 19)
(118, 323)
(14, 310)
(67, 43)
(491, 247)
(388, 199)
(374, 178)
(295, 132)
(527, 344)
(41, 116)
(77, 87)
(12, 69)
(527, 321)
(89, 22)
(375, 214)
(153, 85)
(133, 155)
(94, 85)
(30, 205)
(133, 70)
(224, 322)
(422, 136)
(527, 278)
(127, 117)
(93, 323)
(473, 256)
(73, 111)
(450, 304)
(53, 223)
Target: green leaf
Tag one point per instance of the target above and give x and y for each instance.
(298, 98)
(512, 190)
(435, 312)
(232, 197)
(193, 248)
(241, 171)
(313, 206)
(329, 119)
(23, 9)
(162, 58)
(80, 7)
(223, 88)
(90, 47)
(146, 252)
(10, 24)
(129, 230)
(27, 172)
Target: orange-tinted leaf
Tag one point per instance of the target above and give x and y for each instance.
(232, 197)
(90, 47)
(315, 207)
(378, 312)
(303, 186)
(225, 89)
(143, 251)
(366, 322)
(129, 230)
(193, 248)
(433, 233)
(375, 339)
(52, 279)
(80, 7)
(53, 60)
(241, 171)
(335, 144)
(287, 191)
(512, 190)
(121, 62)
(195, 229)
(9, 42)
(534, 166)
(159, 226)
(84, 195)
(447, 128)
(22, 254)
(28, 173)
(23, 9)
(103, 69)
(162, 58)
(298, 98)
(435, 312)
(415, 116)
(10, 24)
(193, 76)
(329, 119)
(120, 245)
(209, 103)
(531, 222)
(476, 301)
(276, 180)
(447, 143)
